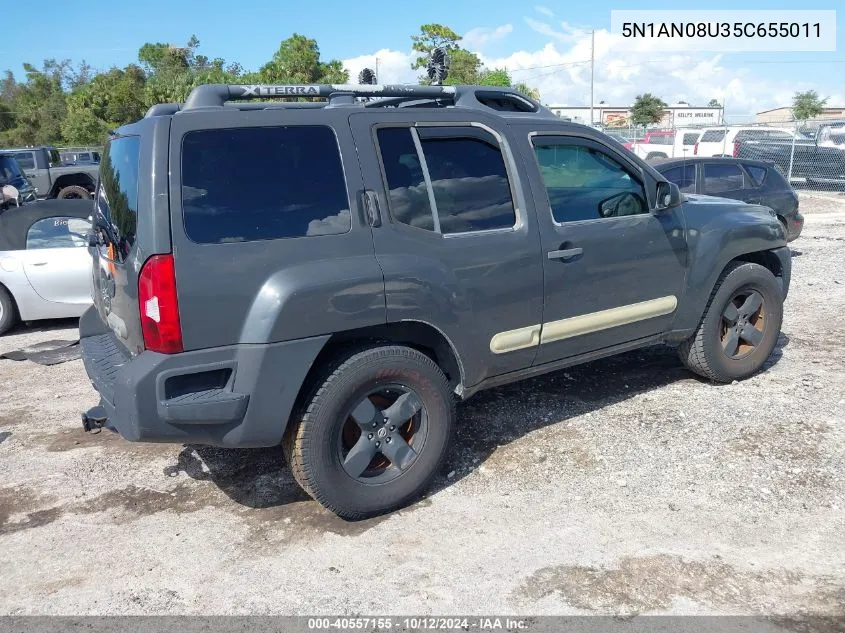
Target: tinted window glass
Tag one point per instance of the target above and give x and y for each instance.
(117, 194)
(26, 160)
(470, 183)
(586, 184)
(683, 176)
(10, 171)
(407, 192)
(711, 136)
(247, 184)
(758, 174)
(54, 158)
(719, 178)
(58, 232)
(691, 138)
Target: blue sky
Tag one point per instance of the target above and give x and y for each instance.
(544, 44)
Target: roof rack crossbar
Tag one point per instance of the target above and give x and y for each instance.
(213, 95)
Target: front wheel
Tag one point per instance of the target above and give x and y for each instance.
(374, 433)
(740, 327)
(8, 314)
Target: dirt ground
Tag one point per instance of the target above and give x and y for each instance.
(621, 486)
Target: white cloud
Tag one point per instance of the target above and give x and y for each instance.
(560, 69)
(545, 11)
(393, 66)
(475, 39)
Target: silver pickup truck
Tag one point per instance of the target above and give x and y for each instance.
(43, 166)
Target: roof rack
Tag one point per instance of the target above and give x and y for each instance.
(213, 96)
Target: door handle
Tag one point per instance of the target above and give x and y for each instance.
(565, 254)
(371, 207)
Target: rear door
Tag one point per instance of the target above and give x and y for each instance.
(56, 261)
(458, 239)
(40, 178)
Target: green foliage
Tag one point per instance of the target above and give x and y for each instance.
(647, 109)
(714, 103)
(806, 105)
(63, 104)
(527, 90)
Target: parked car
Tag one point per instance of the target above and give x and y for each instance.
(753, 181)
(80, 158)
(43, 166)
(671, 144)
(724, 141)
(45, 268)
(404, 257)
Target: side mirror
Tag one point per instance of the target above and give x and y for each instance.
(668, 196)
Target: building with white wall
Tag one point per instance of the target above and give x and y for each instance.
(676, 115)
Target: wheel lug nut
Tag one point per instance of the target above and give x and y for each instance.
(387, 440)
(392, 428)
(378, 444)
(370, 436)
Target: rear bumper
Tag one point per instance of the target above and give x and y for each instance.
(235, 396)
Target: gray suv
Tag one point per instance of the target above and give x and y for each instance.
(333, 276)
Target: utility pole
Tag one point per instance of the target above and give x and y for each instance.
(592, 72)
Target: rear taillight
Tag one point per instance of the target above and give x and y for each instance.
(736, 150)
(695, 149)
(159, 306)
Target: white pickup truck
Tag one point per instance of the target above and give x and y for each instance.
(668, 144)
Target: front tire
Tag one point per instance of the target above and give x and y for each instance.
(740, 327)
(374, 433)
(8, 311)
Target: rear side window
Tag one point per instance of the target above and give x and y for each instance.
(683, 176)
(757, 173)
(26, 160)
(720, 178)
(466, 170)
(712, 136)
(691, 138)
(58, 232)
(263, 183)
(117, 193)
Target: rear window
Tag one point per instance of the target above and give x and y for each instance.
(26, 160)
(263, 183)
(683, 176)
(712, 136)
(57, 232)
(117, 193)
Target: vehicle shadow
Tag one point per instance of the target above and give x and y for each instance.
(256, 478)
(47, 325)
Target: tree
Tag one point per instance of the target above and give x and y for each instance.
(806, 105)
(714, 103)
(647, 109)
(433, 36)
(38, 104)
(110, 100)
(297, 61)
(528, 90)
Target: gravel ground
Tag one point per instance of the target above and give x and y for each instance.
(621, 486)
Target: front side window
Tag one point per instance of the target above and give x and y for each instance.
(263, 183)
(683, 176)
(469, 182)
(719, 178)
(117, 193)
(57, 232)
(584, 183)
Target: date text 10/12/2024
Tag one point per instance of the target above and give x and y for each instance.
(418, 624)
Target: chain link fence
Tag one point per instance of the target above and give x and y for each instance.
(810, 154)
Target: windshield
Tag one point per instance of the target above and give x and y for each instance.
(10, 172)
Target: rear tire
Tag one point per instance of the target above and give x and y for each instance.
(347, 455)
(74, 192)
(735, 337)
(8, 311)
